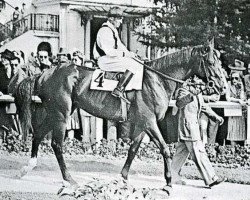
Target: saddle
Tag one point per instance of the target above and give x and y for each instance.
(105, 81)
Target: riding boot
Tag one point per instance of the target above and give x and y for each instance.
(123, 82)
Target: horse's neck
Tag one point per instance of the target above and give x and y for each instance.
(180, 72)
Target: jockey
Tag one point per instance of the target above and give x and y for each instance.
(112, 55)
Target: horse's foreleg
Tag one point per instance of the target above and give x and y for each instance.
(57, 145)
(38, 136)
(131, 154)
(156, 135)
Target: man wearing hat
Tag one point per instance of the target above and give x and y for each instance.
(78, 58)
(5, 70)
(238, 66)
(43, 55)
(112, 55)
(247, 82)
(63, 56)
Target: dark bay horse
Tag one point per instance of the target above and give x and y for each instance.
(64, 88)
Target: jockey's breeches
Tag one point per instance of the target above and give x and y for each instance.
(121, 64)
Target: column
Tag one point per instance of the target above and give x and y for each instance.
(248, 122)
(87, 37)
(63, 27)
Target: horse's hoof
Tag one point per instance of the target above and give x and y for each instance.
(168, 189)
(124, 175)
(66, 191)
(22, 172)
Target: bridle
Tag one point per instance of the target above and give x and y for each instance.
(210, 83)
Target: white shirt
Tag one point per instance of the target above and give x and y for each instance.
(105, 40)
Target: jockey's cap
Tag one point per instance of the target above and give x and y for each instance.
(115, 12)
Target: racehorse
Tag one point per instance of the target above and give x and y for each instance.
(66, 87)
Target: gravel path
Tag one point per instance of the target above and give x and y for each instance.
(44, 182)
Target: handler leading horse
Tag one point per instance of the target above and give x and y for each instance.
(66, 87)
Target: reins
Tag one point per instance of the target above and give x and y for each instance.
(159, 73)
(175, 79)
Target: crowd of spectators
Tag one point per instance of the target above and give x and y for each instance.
(238, 89)
(13, 63)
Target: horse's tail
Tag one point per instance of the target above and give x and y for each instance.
(23, 100)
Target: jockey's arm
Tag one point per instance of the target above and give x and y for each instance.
(106, 42)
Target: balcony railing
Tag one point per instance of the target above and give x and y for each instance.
(40, 22)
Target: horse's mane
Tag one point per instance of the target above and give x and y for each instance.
(174, 59)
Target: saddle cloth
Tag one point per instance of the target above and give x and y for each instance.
(107, 81)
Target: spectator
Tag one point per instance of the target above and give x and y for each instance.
(78, 58)
(31, 58)
(15, 65)
(247, 82)
(15, 18)
(238, 66)
(16, 14)
(5, 70)
(24, 21)
(43, 53)
(236, 124)
(190, 103)
(209, 126)
(89, 64)
(23, 10)
(6, 121)
(20, 56)
(63, 56)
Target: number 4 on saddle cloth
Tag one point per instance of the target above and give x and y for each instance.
(107, 81)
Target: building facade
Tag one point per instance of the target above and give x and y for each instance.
(73, 25)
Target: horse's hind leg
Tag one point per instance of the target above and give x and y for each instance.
(131, 154)
(57, 145)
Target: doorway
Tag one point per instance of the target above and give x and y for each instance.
(96, 24)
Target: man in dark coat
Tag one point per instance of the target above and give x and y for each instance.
(5, 70)
(190, 103)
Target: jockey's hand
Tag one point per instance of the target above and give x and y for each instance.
(131, 54)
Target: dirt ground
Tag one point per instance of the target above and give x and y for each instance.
(45, 180)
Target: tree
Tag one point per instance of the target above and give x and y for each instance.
(181, 23)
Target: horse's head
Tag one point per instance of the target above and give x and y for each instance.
(209, 68)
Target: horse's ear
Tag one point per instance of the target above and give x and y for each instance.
(211, 44)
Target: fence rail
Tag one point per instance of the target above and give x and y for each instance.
(40, 22)
(233, 110)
